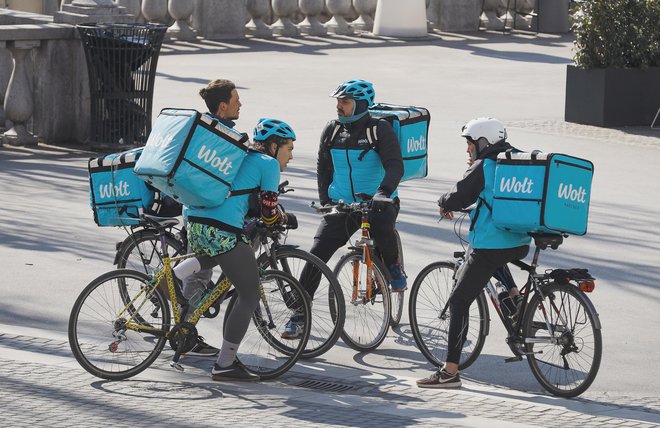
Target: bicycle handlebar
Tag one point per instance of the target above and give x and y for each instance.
(281, 189)
(343, 207)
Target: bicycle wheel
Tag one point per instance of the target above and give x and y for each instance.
(262, 349)
(139, 251)
(566, 360)
(328, 308)
(367, 320)
(397, 298)
(428, 297)
(98, 315)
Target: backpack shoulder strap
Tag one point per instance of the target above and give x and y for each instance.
(330, 135)
(244, 191)
(372, 137)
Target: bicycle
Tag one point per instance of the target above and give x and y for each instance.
(138, 251)
(556, 327)
(115, 340)
(365, 283)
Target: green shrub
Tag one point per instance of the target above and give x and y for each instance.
(617, 33)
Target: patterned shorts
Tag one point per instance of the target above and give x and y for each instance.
(212, 241)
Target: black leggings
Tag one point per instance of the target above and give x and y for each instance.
(472, 277)
(336, 229)
(240, 267)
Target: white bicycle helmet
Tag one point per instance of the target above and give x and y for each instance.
(488, 128)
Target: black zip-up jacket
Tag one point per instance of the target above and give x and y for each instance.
(354, 136)
(467, 190)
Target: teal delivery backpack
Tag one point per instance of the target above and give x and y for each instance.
(117, 195)
(192, 157)
(542, 192)
(411, 125)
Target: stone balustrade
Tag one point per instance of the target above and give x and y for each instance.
(43, 68)
(33, 85)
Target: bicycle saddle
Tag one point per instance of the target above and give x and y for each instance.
(545, 240)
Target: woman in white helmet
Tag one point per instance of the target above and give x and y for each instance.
(490, 247)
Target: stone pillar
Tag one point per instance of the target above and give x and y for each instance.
(460, 15)
(284, 10)
(181, 10)
(155, 11)
(523, 15)
(494, 11)
(132, 7)
(19, 103)
(259, 10)
(366, 9)
(220, 19)
(431, 15)
(311, 25)
(339, 9)
(5, 73)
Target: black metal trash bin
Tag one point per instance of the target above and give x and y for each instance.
(121, 63)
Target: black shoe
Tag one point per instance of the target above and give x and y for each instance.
(440, 379)
(236, 371)
(203, 349)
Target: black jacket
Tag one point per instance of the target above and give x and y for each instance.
(354, 136)
(467, 190)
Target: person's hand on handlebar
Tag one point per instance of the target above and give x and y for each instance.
(290, 221)
(379, 202)
(446, 214)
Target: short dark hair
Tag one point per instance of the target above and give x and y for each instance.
(217, 91)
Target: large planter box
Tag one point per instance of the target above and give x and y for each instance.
(612, 96)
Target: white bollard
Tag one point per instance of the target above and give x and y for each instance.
(396, 18)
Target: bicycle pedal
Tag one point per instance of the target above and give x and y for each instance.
(177, 366)
(513, 359)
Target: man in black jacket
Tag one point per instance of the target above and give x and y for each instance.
(348, 164)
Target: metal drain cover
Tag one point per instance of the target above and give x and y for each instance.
(325, 386)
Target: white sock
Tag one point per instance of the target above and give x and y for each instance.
(227, 354)
(186, 268)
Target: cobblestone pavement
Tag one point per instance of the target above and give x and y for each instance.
(42, 385)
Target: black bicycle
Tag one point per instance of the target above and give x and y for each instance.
(556, 327)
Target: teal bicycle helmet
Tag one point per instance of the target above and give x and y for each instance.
(357, 90)
(267, 128)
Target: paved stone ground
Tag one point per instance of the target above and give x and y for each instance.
(631, 135)
(42, 385)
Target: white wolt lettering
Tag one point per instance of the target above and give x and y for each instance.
(569, 193)
(221, 164)
(416, 145)
(513, 185)
(158, 140)
(108, 190)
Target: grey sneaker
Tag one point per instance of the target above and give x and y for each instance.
(235, 372)
(440, 379)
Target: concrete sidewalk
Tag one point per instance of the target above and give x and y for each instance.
(43, 385)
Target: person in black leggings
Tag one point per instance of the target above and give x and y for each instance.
(216, 234)
(490, 247)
